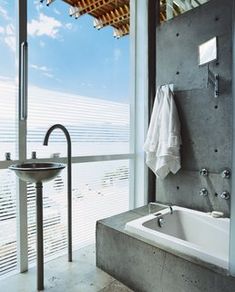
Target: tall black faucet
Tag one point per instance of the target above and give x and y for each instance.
(69, 178)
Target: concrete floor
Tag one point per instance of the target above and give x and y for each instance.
(81, 275)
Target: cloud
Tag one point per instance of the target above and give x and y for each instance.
(44, 26)
(7, 32)
(40, 68)
(117, 54)
(42, 44)
(38, 5)
(4, 13)
(49, 75)
(56, 11)
(87, 84)
(7, 35)
(11, 42)
(69, 26)
(45, 71)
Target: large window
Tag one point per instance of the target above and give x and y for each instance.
(8, 135)
(88, 92)
(79, 77)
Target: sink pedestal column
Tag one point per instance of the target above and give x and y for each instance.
(38, 173)
(40, 257)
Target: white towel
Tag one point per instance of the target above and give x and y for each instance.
(162, 145)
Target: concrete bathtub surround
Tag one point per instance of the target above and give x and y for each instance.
(145, 266)
(184, 231)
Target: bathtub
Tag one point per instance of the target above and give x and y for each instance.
(187, 233)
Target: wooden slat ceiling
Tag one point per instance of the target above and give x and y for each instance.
(116, 13)
(106, 12)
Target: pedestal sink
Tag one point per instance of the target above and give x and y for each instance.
(38, 173)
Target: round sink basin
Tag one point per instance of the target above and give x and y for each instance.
(37, 172)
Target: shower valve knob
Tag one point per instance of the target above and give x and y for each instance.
(203, 192)
(225, 195)
(204, 172)
(226, 173)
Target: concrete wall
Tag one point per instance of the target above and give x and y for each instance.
(206, 121)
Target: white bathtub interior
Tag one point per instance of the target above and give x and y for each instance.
(188, 232)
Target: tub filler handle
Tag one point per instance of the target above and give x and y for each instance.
(171, 209)
(161, 222)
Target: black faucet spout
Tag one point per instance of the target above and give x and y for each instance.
(69, 178)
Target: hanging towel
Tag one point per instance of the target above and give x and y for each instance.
(162, 145)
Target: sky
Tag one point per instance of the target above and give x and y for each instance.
(66, 54)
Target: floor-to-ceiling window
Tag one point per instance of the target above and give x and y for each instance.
(79, 77)
(8, 135)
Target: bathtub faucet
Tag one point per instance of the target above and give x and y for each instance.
(158, 204)
(171, 209)
(161, 222)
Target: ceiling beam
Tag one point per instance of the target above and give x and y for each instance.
(112, 17)
(122, 31)
(88, 6)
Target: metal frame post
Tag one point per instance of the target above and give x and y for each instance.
(22, 232)
(139, 92)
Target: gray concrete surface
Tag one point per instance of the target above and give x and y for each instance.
(146, 268)
(81, 275)
(206, 121)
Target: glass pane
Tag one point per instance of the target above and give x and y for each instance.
(8, 93)
(105, 192)
(8, 251)
(171, 8)
(8, 85)
(79, 78)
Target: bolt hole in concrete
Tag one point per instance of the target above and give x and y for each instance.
(216, 195)
(177, 34)
(216, 106)
(217, 63)
(178, 187)
(177, 73)
(216, 150)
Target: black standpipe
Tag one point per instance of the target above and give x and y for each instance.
(40, 258)
(69, 178)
